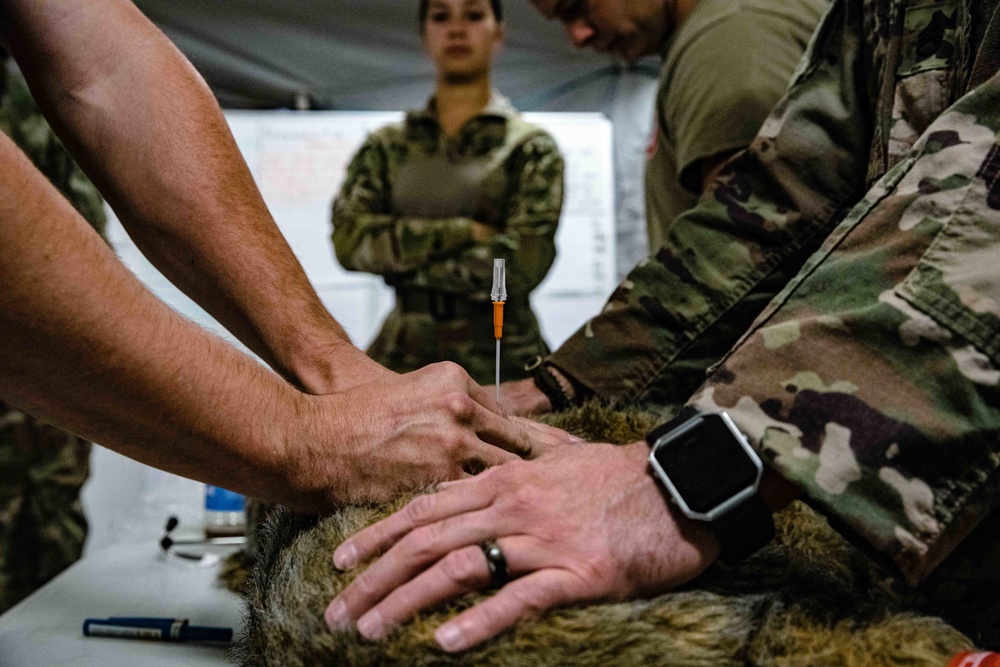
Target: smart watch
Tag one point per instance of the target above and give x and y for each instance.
(713, 474)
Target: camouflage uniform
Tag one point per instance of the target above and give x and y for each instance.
(42, 469)
(405, 212)
(857, 238)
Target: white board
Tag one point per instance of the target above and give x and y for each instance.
(299, 159)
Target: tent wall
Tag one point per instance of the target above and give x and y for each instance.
(366, 55)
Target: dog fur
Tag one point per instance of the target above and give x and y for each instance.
(808, 599)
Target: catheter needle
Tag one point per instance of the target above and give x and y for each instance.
(498, 370)
(498, 295)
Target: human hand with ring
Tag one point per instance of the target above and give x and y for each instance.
(579, 524)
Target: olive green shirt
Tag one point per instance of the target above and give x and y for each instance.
(3, 73)
(725, 67)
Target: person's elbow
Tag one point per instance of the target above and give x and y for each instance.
(534, 259)
(345, 250)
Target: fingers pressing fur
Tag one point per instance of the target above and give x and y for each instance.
(420, 511)
(502, 432)
(461, 571)
(521, 598)
(543, 436)
(419, 550)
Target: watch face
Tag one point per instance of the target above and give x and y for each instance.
(707, 464)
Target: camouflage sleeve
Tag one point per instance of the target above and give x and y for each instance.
(368, 237)
(873, 380)
(683, 308)
(526, 239)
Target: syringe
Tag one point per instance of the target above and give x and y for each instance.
(498, 295)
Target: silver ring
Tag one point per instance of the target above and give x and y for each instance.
(496, 562)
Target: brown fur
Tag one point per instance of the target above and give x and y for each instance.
(805, 600)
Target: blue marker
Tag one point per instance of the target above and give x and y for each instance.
(159, 629)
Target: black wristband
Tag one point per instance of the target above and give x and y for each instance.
(743, 530)
(548, 384)
(685, 414)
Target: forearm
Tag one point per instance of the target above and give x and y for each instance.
(645, 347)
(895, 445)
(528, 249)
(85, 346)
(388, 245)
(148, 131)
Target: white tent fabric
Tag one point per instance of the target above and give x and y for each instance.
(366, 55)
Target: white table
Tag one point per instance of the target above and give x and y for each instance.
(124, 580)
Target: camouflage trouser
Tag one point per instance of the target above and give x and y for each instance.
(411, 340)
(42, 526)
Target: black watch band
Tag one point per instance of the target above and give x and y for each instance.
(743, 530)
(686, 413)
(548, 384)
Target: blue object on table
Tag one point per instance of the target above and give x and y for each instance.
(218, 499)
(160, 629)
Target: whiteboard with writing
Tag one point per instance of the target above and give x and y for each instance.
(299, 160)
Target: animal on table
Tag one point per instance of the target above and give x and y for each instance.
(808, 599)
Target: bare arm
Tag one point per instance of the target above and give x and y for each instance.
(146, 128)
(85, 346)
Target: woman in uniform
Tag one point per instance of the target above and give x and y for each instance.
(430, 202)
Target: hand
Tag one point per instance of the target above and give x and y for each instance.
(576, 525)
(352, 368)
(523, 398)
(543, 437)
(387, 436)
(335, 365)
